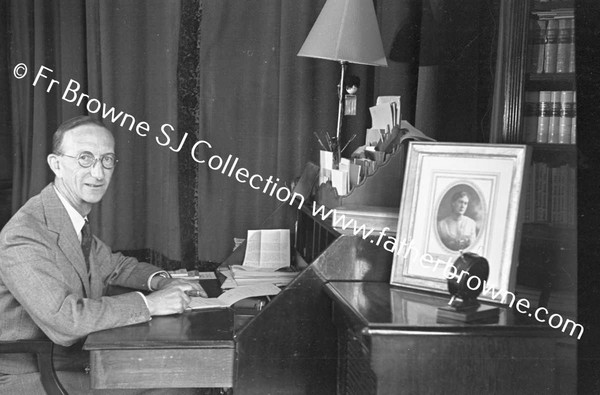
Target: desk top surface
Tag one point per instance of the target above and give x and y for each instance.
(377, 305)
(192, 329)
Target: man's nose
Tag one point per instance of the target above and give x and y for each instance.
(97, 171)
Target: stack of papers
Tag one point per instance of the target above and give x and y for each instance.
(244, 275)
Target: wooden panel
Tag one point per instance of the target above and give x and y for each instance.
(464, 364)
(290, 347)
(162, 368)
(192, 329)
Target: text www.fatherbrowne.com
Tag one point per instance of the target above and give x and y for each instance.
(403, 247)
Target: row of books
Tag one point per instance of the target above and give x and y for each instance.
(551, 195)
(550, 117)
(552, 42)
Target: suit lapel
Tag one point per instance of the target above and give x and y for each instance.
(58, 221)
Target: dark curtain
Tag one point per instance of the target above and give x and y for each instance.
(124, 54)
(262, 104)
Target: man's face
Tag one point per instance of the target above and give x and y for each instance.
(80, 185)
(460, 205)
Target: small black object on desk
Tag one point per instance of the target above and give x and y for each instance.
(463, 305)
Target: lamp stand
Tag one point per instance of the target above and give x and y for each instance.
(336, 148)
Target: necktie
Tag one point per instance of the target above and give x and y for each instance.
(86, 243)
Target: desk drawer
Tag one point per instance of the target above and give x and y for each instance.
(162, 368)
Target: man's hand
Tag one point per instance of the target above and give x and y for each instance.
(160, 283)
(171, 297)
(171, 300)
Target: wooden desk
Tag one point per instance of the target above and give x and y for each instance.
(194, 349)
(389, 338)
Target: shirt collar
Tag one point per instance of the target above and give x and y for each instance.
(76, 219)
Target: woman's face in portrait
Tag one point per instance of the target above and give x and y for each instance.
(459, 206)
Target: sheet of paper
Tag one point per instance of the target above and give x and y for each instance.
(382, 116)
(395, 105)
(248, 291)
(339, 180)
(198, 303)
(354, 175)
(373, 136)
(326, 164)
(268, 248)
(228, 298)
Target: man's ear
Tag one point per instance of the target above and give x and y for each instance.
(54, 164)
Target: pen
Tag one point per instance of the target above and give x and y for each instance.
(193, 292)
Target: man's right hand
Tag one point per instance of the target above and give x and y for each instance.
(167, 301)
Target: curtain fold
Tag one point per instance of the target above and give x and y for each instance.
(123, 54)
(255, 95)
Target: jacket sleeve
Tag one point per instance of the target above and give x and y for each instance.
(30, 267)
(123, 271)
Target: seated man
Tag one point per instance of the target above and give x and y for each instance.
(54, 274)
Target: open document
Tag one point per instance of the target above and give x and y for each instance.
(228, 298)
(268, 249)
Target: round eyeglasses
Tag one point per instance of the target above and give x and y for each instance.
(87, 159)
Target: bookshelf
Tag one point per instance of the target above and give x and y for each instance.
(537, 106)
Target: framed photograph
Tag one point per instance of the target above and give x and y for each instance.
(460, 198)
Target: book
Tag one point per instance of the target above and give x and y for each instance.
(530, 116)
(551, 46)
(564, 45)
(232, 296)
(566, 117)
(572, 47)
(268, 248)
(544, 113)
(574, 120)
(554, 119)
(536, 45)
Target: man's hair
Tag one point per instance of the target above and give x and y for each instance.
(71, 124)
(458, 195)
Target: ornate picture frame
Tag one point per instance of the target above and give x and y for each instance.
(458, 198)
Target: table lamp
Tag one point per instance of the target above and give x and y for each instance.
(346, 31)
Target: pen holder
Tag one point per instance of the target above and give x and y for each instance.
(382, 188)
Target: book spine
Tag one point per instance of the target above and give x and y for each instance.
(544, 112)
(551, 46)
(530, 116)
(545, 192)
(563, 41)
(540, 194)
(566, 117)
(564, 198)
(536, 46)
(572, 196)
(553, 215)
(572, 46)
(554, 120)
(574, 120)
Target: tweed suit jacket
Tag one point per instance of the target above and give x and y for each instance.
(45, 287)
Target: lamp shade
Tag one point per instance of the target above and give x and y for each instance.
(346, 31)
